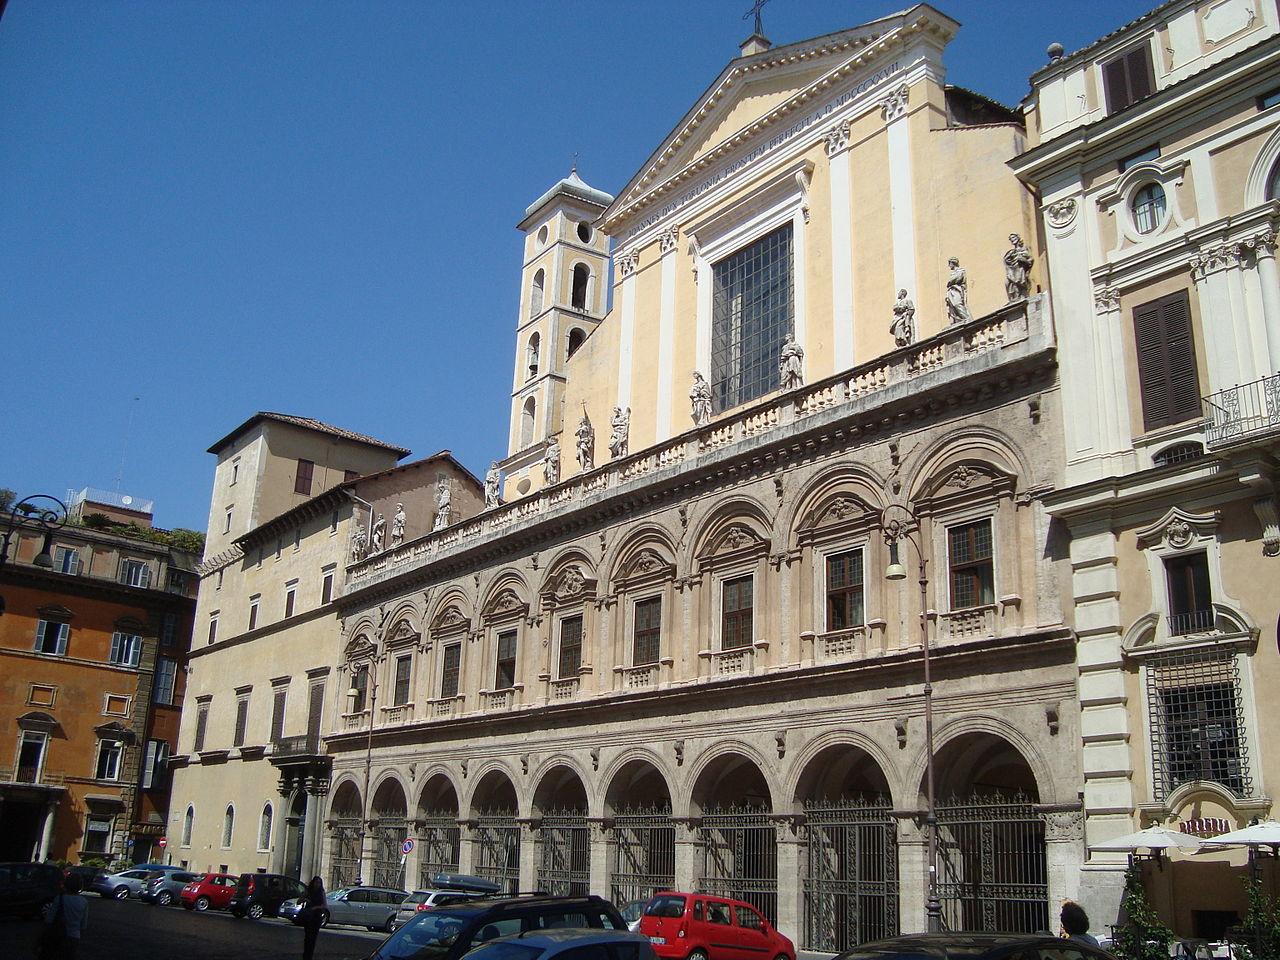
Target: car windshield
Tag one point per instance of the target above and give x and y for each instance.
(504, 950)
(429, 934)
(631, 911)
(665, 906)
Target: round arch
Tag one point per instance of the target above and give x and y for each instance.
(853, 480)
(560, 788)
(494, 792)
(438, 796)
(507, 578)
(645, 536)
(730, 775)
(841, 766)
(346, 800)
(984, 754)
(1264, 165)
(971, 444)
(563, 558)
(390, 799)
(738, 509)
(637, 782)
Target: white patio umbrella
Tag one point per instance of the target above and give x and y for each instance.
(1152, 838)
(1264, 834)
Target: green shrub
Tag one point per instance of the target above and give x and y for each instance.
(1141, 936)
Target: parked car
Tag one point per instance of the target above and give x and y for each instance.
(262, 894)
(372, 907)
(631, 912)
(567, 944)
(165, 888)
(976, 946)
(209, 890)
(445, 889)
(446, 933)
(703, 927)
(87, 875)
(26, 887)
(129, 882)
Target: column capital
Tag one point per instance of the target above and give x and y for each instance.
(1106, 299)
(837, 137)
(894, 105)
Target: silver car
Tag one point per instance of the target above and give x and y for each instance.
(421, 900)
(127, 883)
(372, 907)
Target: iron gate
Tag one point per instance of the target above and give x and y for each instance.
(564, 864)
(439, 839)
(643, 853)
(851, 875)
(346, 837)
(739, 857)
(992, 873)
(496, 852)
(388, 835)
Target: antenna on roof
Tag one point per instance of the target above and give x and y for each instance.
(574, 165)
(124, 444)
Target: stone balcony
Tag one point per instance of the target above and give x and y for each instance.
(861, 401)
(1242, 414)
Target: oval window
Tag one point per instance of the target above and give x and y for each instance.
(1148, 207)
(584, 232)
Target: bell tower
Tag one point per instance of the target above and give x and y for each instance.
(562, 300)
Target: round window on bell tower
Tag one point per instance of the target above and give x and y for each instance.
(584, 231)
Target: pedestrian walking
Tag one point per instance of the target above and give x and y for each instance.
(65, 918)
(1075, 924)
(313, 911)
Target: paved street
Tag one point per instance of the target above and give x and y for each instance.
(133, 929)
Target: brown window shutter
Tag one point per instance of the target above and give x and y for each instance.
(1148, 334)
(1138, 65)
(315, 709)
(1184, 385)
(1115, 83)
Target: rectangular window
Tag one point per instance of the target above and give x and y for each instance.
(116, 705)
(736, 613)
(505, 677)
(1142, 156)
(1167, 377)
(290, 598)
(844, 591)
(1197, 721)
(404, 670)
(253, 611)
(213, 627)
(67, 560)
(646, 640)
(235, 472)
(349, 475)
(97, 834)
(126, 649)
(109, 752)
(51, 637)
(302, 482)
(360, 684)
(155, 764)
(450, 670)
(242, 720)
(752, 313)
(166, 680)
(1129, 78)
(570, 648)
(326, 587)
(178, 582)
(1190, 599)
(202, 724)
(279, 698)
(31, 756)
(227, 526)
(168, 629)
(315, 711)
(1269, 99)
(972, 569)
(135, 573)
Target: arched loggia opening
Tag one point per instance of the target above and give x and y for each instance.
(851, 851)
(496, 855)
(737, 842)
(642, 849)
(346, 836)
(992, 867)
(564, 843)
(439, 837)
(390, 830)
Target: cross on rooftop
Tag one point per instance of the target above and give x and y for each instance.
(755, 11)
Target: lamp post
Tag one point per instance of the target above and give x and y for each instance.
(896, 522)
(371, 693)
(41, 511)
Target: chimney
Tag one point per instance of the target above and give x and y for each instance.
(756, 43)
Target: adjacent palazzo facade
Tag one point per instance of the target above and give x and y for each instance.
(673, 658)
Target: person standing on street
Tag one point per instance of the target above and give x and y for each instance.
(312, 916)
(1075, 924)
(65, 917)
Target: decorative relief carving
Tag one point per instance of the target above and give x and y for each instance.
(646, 561)
(1269, 517)
(1216, 258)
(1064, 825)
(964, 476)
(1062, 213)
(571, 584)
(737, 537)
(450, 617)
(841, 508)
(1106, 299)
(895, 104)
(505, 602)
(402, 631)
(1178, 533)
(668, 240)
(627, 262)
(837, 137)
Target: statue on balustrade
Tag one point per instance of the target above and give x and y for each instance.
(586, 439)
(700, 397)
(903, 326)
(1017, 269)
(551, 463)
(957, 294)
(791, 364)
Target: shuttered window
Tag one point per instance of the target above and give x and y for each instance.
(51, 637)
(315, 711)
(279, 697)
(302, 483)
(1129, 78)
(242, 720)
(166, 679)
(1166, 361)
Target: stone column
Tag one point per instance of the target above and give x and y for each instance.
(913, 872)
(409, 874)
(367, 850)
(790, 859)
(46, 830)
(280, 831)
(466, 846)
(687, 866)
(601, 836)
(1264, 249)
(310, 834)
(1064, 855)
(529, 851)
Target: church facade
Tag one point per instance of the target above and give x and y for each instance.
(802, 458)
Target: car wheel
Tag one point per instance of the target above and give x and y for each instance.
(164, 898)
(698, 955)
(121, 892)
(255, 911)
(390, 925)
(201, 904)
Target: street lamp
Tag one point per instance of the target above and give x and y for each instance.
(41, 511)
(896, 523)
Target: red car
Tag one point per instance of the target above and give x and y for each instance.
(211, 890)
(698, 926)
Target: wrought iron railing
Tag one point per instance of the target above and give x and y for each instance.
(1193, 621)
(303, 745)
(643, 853)
(1243, 412)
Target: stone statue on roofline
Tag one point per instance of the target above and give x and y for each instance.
(397, 526)
(1017, 269)
(493, 486)
(791, 364)
(359, 544)
(444, 500)
(586, 443)
(551, 463)
(903, 326)
(957, 293)
(619, 432)
(377, 539)
(700, 398)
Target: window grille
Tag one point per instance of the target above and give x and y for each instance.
(647, 638)
(1197, 721)
(844, 591)
(972, 570)
(570, 648)
(1178, 453)
(752, 313)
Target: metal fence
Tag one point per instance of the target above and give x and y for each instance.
(1238, 413)
(388, 835)
(642, 855)
(346, 837)
(851, 873)
(992, 873)
(439, 841)
(564, 853)
(496, 853)
(738, 857)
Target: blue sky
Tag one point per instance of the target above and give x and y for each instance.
(222, 207)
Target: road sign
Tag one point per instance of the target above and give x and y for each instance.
(162, 842)
(407, 846)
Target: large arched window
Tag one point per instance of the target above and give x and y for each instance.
(527, 418)
(264, 828)
(531, 356)
(576, 336)
(581, 283)
(535, 293)
(188, 822)
(228, 826)
(1273, 182)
